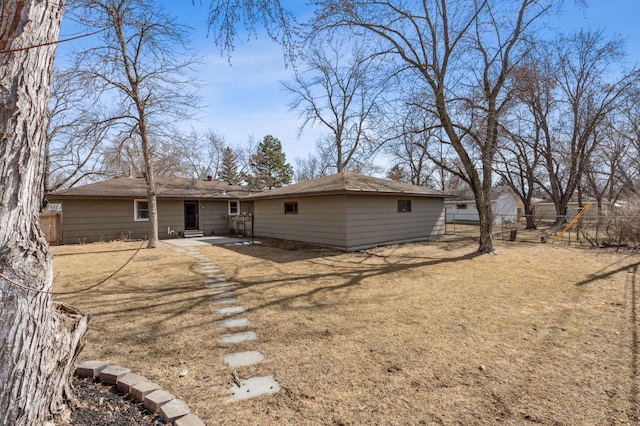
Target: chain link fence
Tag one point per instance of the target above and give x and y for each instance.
(606, 231)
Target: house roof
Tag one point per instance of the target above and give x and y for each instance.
(465, 195)
(168, 187)
(348, 183)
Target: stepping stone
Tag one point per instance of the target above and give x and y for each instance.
(225, 301)
(254, 386)
(212, 279)
(219, 285)
(242, 359)
(229, 311)
(220, 292)
(233, 323)
(243, 336)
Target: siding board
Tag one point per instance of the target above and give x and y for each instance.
(104, 220)
(350, 221)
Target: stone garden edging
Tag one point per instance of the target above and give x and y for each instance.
(171, 410)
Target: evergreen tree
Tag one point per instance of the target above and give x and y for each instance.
(229, 167)
(269, 167)
(397, 173)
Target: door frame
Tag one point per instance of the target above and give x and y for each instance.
(196, 205)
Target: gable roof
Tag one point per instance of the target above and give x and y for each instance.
(348, 183)
(168, 187)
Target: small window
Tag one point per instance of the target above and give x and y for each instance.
(233, 208)
(291, 208)
(141, 210)
(461, 206)
(404, 206)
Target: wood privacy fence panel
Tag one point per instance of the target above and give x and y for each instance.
(51, 225)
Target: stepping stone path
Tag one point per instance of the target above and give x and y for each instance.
(223, 294)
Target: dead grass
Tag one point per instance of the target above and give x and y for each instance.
(414, 334)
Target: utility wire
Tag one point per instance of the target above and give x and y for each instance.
(53, 42)
(58, 293)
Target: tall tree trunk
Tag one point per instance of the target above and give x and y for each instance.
(150, 178)
(38, 340)
(528, 214)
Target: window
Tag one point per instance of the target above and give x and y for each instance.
(291, 208)
(233, 208)
(140, 210)
(404, 206)
(461, 206)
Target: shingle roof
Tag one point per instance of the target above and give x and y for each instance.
(168, 187)
(348, 183)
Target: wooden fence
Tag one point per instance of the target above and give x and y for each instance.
(51, 225)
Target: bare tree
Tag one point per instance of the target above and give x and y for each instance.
(339, 90)
(138, 65)
(522, 135)
(417, 149)
(462, 52)
(38, 340)
(75, 138)
(606, 175)
(201, 153)
(581, 89)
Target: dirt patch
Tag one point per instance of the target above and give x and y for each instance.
(102, 405)
(411, 334)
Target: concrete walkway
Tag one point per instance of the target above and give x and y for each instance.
(203, 241)
(226, 309)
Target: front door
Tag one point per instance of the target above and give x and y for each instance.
(191, 219)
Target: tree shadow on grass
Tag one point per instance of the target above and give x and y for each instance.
(603, 274)
(346, 278)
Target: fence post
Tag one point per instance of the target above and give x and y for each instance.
(454, 224)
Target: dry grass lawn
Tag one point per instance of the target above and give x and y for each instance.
(426, 333)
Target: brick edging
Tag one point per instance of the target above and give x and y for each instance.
(139, 388)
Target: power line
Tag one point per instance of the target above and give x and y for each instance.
(53, 42)
(54, 293)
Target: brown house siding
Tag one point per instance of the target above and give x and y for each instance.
(319, 220)
(350, 221)
(106, 220)
(375, 220)
(213, 217)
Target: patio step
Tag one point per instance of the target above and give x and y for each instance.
(193, 234)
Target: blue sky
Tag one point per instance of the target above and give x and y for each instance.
(244, 97)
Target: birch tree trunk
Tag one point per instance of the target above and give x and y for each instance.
(38, 340)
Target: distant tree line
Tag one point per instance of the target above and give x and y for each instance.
(453, 98)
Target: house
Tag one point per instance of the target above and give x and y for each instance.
(505, 205)
(118, 208)
(349, 211)
(345, 210)
(546, 209)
